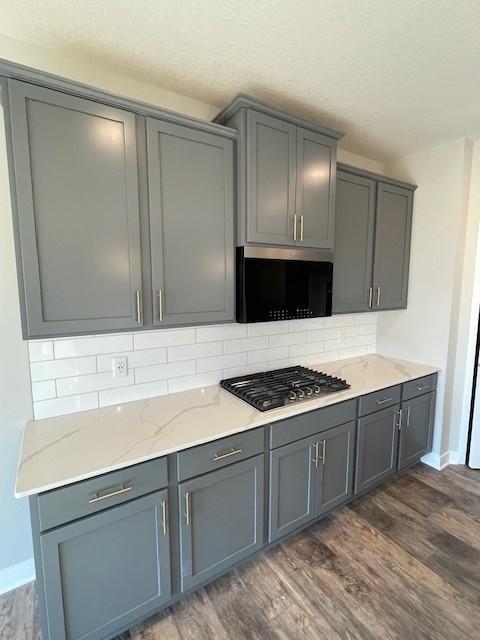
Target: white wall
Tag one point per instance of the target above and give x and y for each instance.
(15, 395)
(428, 330)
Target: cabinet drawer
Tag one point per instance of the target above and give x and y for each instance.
(379, 400)
(418, 386)
(308, 424)
(219, 453)
(89, 496)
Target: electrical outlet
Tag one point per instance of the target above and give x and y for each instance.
(120, 367)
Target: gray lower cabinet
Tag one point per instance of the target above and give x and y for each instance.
(310, 477)
(393, 229)
(191, 224)
(377, 447)
(416, 429)
(107, 570)
(77, 212)
(354, 232)
(221, 520)
(335, 472)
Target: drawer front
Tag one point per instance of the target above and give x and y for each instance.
(219, 453)
(90, 496)
(310, 423)
(379, 400)
(418, 386)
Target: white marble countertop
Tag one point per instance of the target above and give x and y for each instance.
(61, 450)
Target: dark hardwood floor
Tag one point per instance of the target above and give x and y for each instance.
(402, 562)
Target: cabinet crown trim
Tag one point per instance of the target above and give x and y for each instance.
(249, 102)
(347, 168)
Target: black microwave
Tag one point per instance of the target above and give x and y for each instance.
(283, 284)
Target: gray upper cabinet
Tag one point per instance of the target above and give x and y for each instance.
(377, 447)
(335, 473)
(221, 520)
(271, 145)
(190, 176)
(315, 189)
(286, 172)
(392, 246)
(417, 429)
(354, 232)
(106, 571)
(74, 163)
(373, 223)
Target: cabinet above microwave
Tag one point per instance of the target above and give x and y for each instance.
(286, 176)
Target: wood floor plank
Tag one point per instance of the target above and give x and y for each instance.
(401, 563)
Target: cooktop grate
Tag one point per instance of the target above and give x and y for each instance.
(278, 388)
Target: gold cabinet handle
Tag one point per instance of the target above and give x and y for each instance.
(138, 298)
(295, 227)
(116, 492)
(164, 517)
(301, 228)
(226, 454)
(187, 508)
(160, 305)
(379, 402)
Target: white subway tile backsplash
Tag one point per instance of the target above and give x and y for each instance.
(134, 392)
(40, 350)
(43, 390)
(186, 352)
(73, 347)
(164, 371)
(221, 362)
(92, 382)
(142, 358)
(163, 338)
(79, 370)
(245, 344)
(221, 332)
(51, 369)
(62, 406)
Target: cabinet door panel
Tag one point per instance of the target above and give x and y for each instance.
(270, 179)
(377, 448)
(106, 570)
(225, 520)
(315, 189)
(76, 182)
(417, 429)
(292, 487)
(392, 246)
(191, 224)
(335, 472)
(354, 231)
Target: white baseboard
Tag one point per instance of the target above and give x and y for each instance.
(15, 576)
(441, 461)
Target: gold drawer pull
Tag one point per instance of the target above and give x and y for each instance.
(384, 400)
(226, 454)
(103, 496)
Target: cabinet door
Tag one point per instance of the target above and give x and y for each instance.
(334, 483)
(191, 224)
(417, 429)
(392, 246)
(292, 487)
(221, 520)
(315, 189)
(76, 183)
(107, 570)
(354, 229)
(270, 179)
(377, 448)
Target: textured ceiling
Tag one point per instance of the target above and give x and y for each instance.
(395, 75)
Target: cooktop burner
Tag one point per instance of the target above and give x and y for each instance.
(273, 389)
